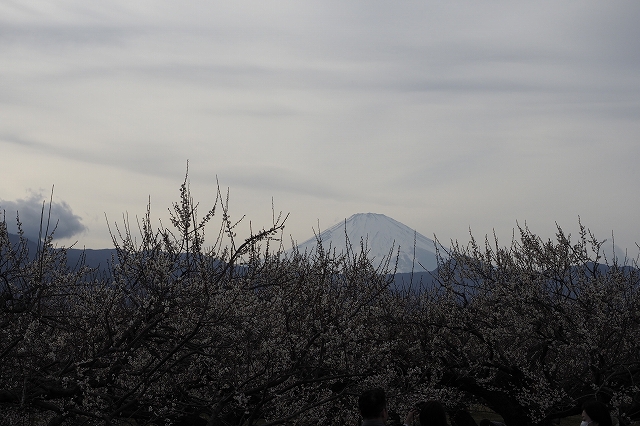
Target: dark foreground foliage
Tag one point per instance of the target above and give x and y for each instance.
(242, 334)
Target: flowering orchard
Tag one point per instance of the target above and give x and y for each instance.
(179, 334)
(534, 329)
(242, 334)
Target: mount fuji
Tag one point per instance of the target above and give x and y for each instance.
(382, 236)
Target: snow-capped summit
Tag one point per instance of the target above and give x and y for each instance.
(381, 234)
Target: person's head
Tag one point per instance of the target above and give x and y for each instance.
(373, 404)
(432, 414)
(595, 413)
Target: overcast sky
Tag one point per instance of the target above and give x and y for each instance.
(444, 116)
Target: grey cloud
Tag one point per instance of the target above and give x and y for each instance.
(273, 179)
(46, 36)
(410, 60)
(383, 78)
(267, 111)
(612, 34)
(147, 158)
(30, 211)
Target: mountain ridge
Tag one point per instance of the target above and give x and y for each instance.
(382, 236)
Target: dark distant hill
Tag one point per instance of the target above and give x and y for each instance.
(420, 281)
(98, 259)
(415, 282)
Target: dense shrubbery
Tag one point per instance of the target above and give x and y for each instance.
(243, 334)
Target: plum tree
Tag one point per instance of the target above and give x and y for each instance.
(536, 328)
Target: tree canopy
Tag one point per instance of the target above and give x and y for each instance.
(245, 333)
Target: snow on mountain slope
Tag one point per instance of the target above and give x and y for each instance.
(381, 234)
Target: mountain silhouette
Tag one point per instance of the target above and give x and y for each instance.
(97, 259)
